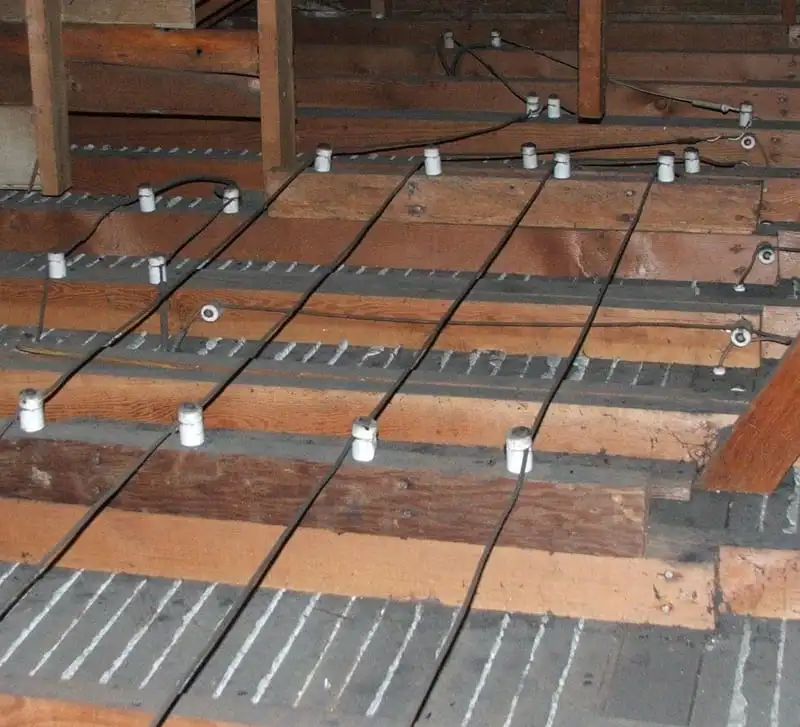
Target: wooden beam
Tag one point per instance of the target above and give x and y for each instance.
(70, 304)
(267, 399)
(362, 131)
(765, 441)
(789, 12)
(20, 711)
(49, 90)
(101, 88)
(557, 511)
(559, 252)
(592, 60)
(551, 34)
(628, 590)
(276, 83)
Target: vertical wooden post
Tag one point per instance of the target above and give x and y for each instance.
(276, 78)
(49, 91)
(789, 12)
(591, 60)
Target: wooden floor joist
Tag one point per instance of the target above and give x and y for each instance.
(556, 252)
(631, 590)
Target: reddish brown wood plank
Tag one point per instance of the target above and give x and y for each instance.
(591, 59)
(561, 514)
(765, 441)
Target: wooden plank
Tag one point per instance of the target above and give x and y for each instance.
(149, 395)
(164, 13)
(765, 441)
(789, 11)
(647, 66)
(49, 92)
(556, 252)
(128, 45)
(71, 304)
(380, 9)
(18, 148)
(362, 132)
(551, 34)
(19, 711)
(276, 83)
(589, 201)
(591, 59)
(100, 88)
(556, 511)
(760, 583)
(581, 586)
(237, 51)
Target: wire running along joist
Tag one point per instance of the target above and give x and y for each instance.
(52, 558)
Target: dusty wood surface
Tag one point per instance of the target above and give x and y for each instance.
(763, 583)
(613, 589)
(663, 434)
(332, 318)
(371, 500)
(556, 252)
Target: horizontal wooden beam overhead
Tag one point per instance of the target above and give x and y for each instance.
(556, 511)
(99, 88)
(546, 34)
(581, 586)
(532, 250)
(121, 391)
(225, 51)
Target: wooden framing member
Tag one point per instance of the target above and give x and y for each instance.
(765, 441)
(592, 60)
(789, 12)
(49, 90)
(628, 590)
(567, 506)
(276, 84)
(560, 252)
(670, 424)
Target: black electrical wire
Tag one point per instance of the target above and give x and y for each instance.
(133, 199)
(436, 142)
(175, 252)
(253, 584)
(66, 542)
(561, 375)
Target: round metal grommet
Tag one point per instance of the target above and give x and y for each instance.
(210, 313)
(748, 142)
(766, 254)
(741, 337)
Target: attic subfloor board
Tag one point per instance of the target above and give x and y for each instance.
(480, 364)
(123, 640)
